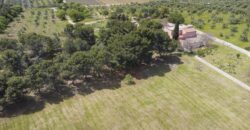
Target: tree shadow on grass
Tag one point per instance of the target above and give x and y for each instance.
(28, 105)
(61, 93)
(159, 67)
(110, 81)
(34, 104)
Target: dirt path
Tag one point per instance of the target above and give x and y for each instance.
(70, 20)
(93, 22)
(240, 83)
(225, 43)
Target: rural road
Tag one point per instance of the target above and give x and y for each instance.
(70, 20)
(225, 43)
(93, 22)
(240, 83)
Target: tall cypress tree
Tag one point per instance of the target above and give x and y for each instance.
(176, 31)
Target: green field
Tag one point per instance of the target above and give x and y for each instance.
(226, 59)
(190, 96)
(111, 2)
(42, 21)
(218, 31)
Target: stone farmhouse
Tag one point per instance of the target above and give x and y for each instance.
(188, 37)
(185, 31)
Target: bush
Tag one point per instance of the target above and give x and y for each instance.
(61, 14)
(213, 26)
(244, 37)
(129, 79)
(224, 26)
(176, 17)
(206, 51)
(201, 53)
(238, 56)
(234, 29)
(234, 20)
(59, 1)
(248, 48)
(221, 35)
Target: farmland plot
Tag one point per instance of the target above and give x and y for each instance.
(190, 96)
(43, 3)
(230, 61)
(89, 2)
(108, 2)
(41, 21)
(12, 1)
(122, 1)
(219, 26)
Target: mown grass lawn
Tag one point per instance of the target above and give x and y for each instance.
(218, 30)
(190, 96)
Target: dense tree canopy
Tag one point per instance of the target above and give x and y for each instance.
(75, 11)
(41, 64)
(176, 17)
(7, 14)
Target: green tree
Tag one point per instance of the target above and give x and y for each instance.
(129, 50)
(75, 15)
(176, 31)
(151, 24)
(72, 45)
(61, 14)
(3, 24)
(176, 17)
(16, 89)
(39, 46)
(8, 44)
(68, 30)
(79, 64)
(85, 33)
(11, 60)
(164, 12)
(45, 74)
(59, 1)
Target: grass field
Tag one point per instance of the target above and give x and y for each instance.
(43, 3)
(190, 96)
(218, 30)
(226, 59)
(96, 2)
(42, 21)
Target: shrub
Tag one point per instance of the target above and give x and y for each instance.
(224, 26)
(244, 37)
(238, 56)
(234, 29)
(61, 14)
(201, 52)
(206, 51)
(213, 26)
(129, 79)
(248, 48)
(234, 20)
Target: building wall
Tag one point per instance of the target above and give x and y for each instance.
(189, 35)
